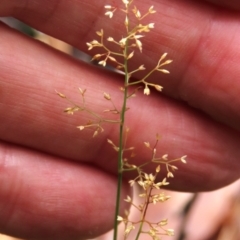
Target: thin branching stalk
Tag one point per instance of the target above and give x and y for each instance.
(143, 215)
(121, 141)
(147, 182)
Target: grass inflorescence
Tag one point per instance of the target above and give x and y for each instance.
(150, 188)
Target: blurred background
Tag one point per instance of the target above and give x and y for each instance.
(200, 216)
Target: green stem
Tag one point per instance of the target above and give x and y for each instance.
(121, 142)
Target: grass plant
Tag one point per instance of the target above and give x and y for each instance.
(150, 192)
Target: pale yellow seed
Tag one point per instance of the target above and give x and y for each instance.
(112, 59)
(142, 67)
(130, 55)
(119, 218)
(146, 90)
(107, 96)
(95, 133)
(60, 94)
(128, 199)
(109, 14)
(138, 14)
(100, 33)
(170, 175)
(147, 144)
(170, 232)
(139, 44)
(151, 10)
(110, 39)
(164, 222)
(158, 88)
(103, 63)
(183, 159)
(165, 157)
(163, 71)
(151, 25)
(126, 22)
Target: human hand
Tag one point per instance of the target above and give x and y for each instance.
(44, 193)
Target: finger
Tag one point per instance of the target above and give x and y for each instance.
(220, 207)
(203, 44)
(32, 116)
(234, 5)
(53, 198)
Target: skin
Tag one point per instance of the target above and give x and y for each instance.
(59, 183)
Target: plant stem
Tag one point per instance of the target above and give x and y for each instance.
(143, 215)
(121, 142)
